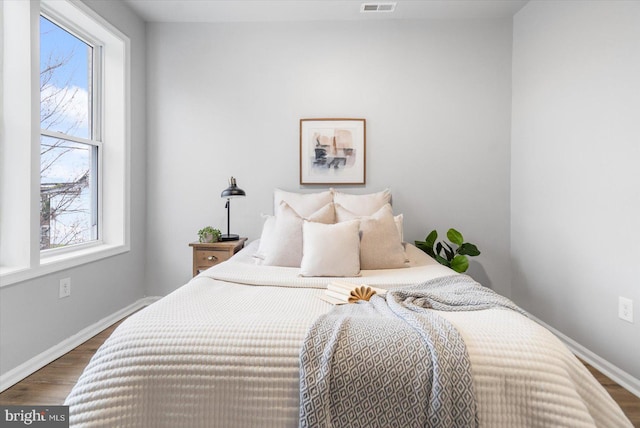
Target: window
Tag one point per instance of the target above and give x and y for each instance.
(69, 142)
(64, 143)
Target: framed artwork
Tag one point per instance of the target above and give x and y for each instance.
(332, 151)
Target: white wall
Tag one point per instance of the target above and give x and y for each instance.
(32, 318)
(575, 178)
(226, 99)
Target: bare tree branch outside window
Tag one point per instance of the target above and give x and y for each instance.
(65, 118)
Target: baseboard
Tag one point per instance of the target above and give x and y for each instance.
(619, 376)
(16, 374)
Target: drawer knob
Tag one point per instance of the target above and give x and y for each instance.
(212, 258)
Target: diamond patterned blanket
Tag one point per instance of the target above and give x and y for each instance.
(393, 361)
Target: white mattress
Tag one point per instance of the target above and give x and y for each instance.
(222, 351)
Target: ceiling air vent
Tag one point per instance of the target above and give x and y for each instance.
(378, 7)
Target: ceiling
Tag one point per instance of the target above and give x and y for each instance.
(317, 10)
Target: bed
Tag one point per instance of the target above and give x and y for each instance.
(224, 350)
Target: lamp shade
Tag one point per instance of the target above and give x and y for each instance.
(233, 191)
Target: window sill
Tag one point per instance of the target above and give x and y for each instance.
(54, 263)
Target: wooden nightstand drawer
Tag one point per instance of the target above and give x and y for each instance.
(208, 258)
(206, 255)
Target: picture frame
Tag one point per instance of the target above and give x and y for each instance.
(333, 151)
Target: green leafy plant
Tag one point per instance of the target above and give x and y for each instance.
(444, 253)
(209, 234)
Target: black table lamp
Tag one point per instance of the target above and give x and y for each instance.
(233, 191)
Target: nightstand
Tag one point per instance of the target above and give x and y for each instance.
(206, 255)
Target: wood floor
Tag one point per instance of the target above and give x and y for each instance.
(51, 384)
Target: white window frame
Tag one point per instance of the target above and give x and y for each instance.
(20, 255)
(95, 139)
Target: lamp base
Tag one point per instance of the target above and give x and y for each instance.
(229, 237)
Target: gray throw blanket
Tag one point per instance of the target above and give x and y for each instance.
(393, 362)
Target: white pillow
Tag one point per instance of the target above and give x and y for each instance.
(268, 230)
(380, 244)
(399, 220)
(330, 249)
(362, 204)
(305, 204)
(285, 248)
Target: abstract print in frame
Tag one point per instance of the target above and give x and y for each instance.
(332, 151)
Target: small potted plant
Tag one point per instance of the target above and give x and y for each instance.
(209, 234)
(444, 252)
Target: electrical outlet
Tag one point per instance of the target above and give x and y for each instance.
(625, 309)
(65, 288)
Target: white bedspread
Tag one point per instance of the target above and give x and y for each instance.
(224, 353)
